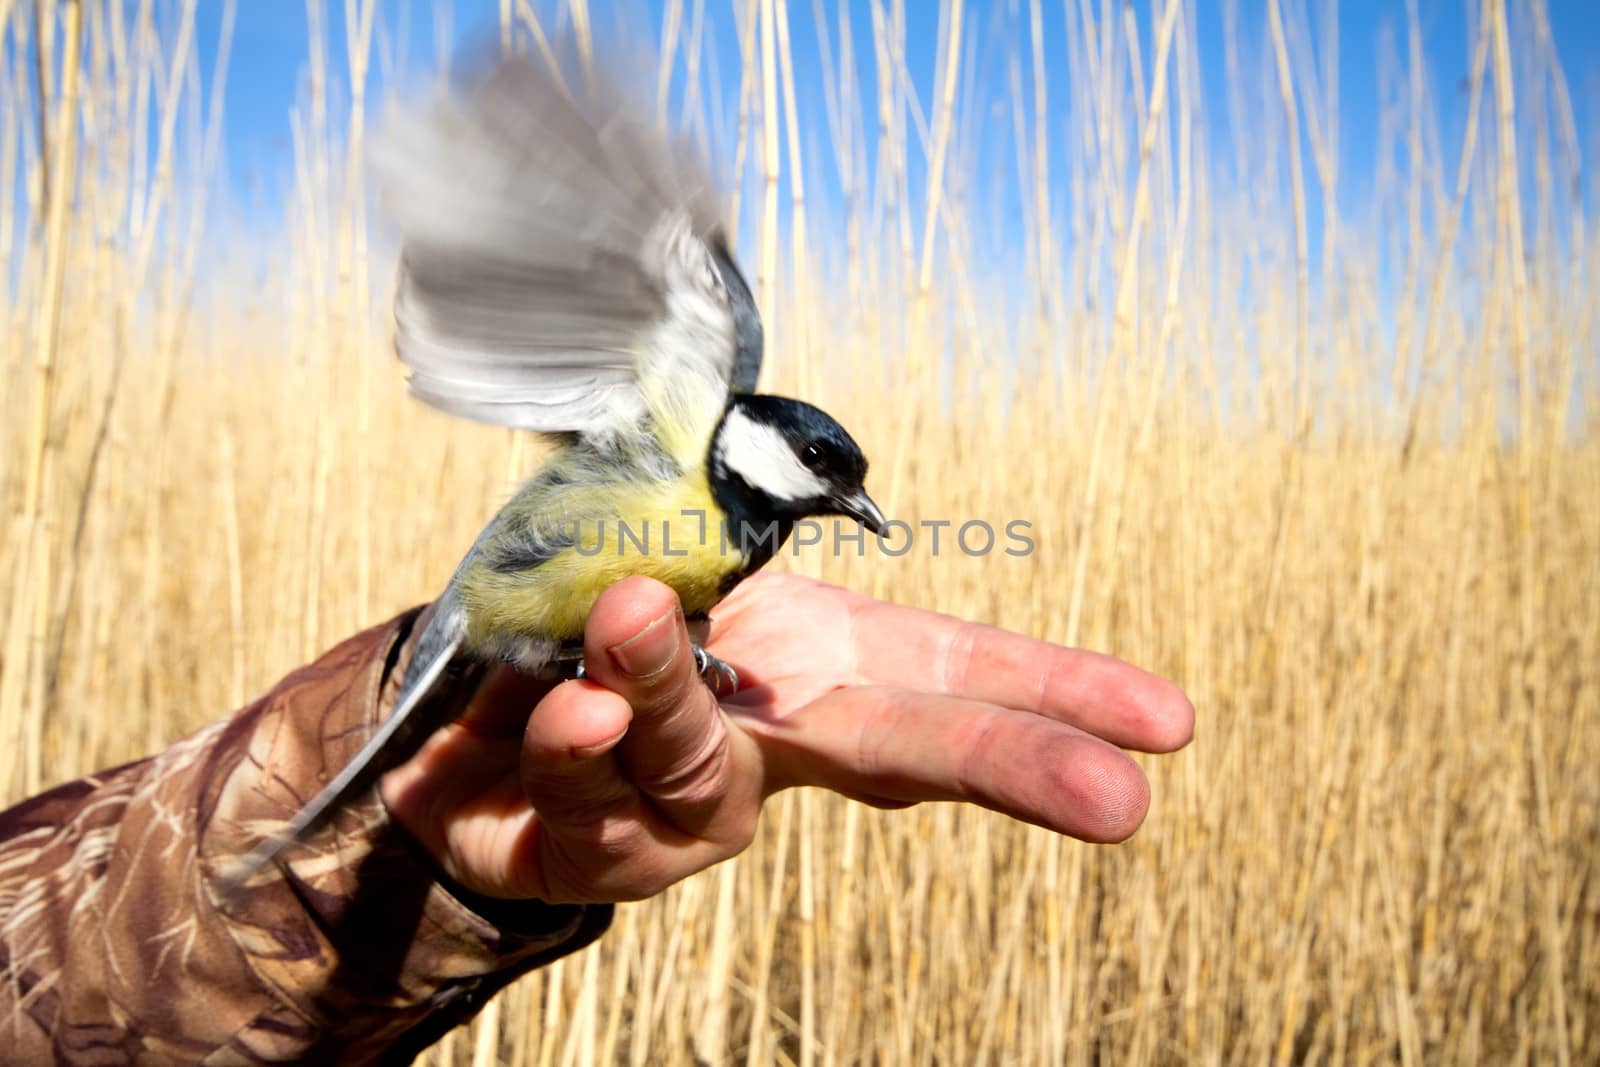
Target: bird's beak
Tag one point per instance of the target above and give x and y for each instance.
(859, 506)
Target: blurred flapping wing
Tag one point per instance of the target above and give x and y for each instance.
(563, 267)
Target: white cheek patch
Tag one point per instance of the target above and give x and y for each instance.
(760, 455)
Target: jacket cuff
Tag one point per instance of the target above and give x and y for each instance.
(363, 942)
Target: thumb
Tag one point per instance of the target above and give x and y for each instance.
(679, 749)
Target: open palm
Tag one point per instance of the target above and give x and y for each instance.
(637, 776)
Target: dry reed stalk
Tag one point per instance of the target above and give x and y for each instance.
(10, 146)
(771, 170)
(526, 14)
(1300, 417)
(1345, 865)
(1122, 318)
(747, 21)
(579, 11)
(1527, 695)
(761, 1010)
(1452, 226)
(917, 330)
(1042, 232)
(710, 1034)
(1138, 437)
(610, 1047)
(486, 1036)
(25, 635)
(355, 273)
(797, 338)
(671, 26)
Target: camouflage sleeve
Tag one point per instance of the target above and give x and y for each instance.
(116, 945)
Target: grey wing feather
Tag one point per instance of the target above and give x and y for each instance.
(383, 751)
(556, 253)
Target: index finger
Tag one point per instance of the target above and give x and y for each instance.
(918, 649)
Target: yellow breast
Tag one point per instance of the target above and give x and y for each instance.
(667, 530)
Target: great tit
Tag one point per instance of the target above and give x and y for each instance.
(563, 269)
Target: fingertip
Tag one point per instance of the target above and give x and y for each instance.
(571, 778)
(1127, 802)
(1182, 719)
(626, 609)
(1105, 793)
(1168, 717)
(577, 720)
(1152, 714)
(641, 649)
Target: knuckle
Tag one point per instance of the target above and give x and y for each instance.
(663, 696)
(601, 863)
(667, 691)
(957, 654)
(603, 835)
(577, 806)
(977, 757)
(879, 732)
(697, 775)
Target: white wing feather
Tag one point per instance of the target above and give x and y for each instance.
(557, 271)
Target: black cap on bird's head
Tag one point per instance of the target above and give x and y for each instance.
(785, 459)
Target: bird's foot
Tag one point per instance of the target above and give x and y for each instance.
(719, 677)
(568, 661)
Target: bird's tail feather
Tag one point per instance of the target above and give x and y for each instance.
(437, 684)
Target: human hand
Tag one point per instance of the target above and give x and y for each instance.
(636, 776)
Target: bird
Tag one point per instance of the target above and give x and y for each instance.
(564, 269)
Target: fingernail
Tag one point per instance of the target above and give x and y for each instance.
(651, 649)
(599, 748)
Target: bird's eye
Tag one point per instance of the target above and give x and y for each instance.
(812, 455)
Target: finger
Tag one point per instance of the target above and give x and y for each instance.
(917, 649)
(592, 839)
(569, 768)
(425, 790)
(679, 750)
(903, 746)
(596, 836)
(503, 702)
(489, 811)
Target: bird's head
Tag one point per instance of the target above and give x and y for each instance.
(784, 459)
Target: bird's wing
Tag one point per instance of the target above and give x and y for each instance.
(563, 267)
(441, 686)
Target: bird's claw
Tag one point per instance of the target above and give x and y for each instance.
(567, 663)
(718, 676)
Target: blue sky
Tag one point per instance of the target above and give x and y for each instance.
(267, 81)
(269, 61)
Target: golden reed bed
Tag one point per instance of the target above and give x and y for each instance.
(1334, 470)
